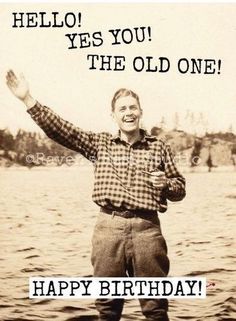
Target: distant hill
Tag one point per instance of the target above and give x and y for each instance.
(220, 146)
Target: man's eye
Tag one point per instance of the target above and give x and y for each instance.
(122, 109)
(134, 107)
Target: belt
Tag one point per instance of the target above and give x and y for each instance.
(129, 213)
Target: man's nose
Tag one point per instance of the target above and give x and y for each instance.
(129, 111)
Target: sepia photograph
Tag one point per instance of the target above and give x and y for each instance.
(117, 160)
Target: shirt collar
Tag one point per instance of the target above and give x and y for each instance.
(145, 137)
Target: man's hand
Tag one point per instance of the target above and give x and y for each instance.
(20, 88)
(158, 179)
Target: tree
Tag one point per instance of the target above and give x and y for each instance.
(176, 121)
(163, 123)
(6, 140)
(195, 155)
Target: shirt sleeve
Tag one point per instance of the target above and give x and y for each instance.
(65, 133)
(175, 181)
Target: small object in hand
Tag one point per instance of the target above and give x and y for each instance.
(153, 173)
(146, 172)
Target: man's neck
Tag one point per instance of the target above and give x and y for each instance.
(130, 138)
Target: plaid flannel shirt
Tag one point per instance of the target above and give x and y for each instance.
(119, 178)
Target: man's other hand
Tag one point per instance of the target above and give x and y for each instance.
(158, 179)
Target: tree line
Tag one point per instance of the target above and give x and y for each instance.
(14, 149)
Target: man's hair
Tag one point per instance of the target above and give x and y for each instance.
(123, 92)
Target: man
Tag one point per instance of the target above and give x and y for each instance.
(134, 176)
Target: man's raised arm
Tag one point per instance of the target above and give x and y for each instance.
(58, 129)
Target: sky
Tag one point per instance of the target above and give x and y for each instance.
(61, 78)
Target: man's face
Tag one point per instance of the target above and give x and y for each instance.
(127, 114)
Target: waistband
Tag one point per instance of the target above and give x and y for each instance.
(129, 213)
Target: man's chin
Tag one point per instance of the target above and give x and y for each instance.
(129, 130)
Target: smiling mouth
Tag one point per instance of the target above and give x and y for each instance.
(129, 121)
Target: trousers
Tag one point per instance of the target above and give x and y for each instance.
(129, 247)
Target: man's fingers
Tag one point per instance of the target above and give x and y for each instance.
(8, 83)
(159, 185)
(12, 80)
(158, 180)
(158, 175)
(11, 73)
(11, 76)
(11, 84)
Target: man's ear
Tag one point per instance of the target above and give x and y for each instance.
(141, 112)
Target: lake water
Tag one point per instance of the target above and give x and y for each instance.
(46, 223)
